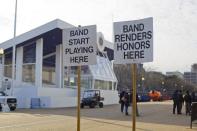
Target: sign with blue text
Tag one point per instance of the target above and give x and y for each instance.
(79, 46)
(133, 41)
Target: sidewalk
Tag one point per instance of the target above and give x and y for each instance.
(154, 116)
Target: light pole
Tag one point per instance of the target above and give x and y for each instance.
(143, 84)
(182, 88)
(162, 85)
(175, 85)
(14, 50)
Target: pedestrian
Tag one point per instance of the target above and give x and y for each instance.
(180, 102)
(126, 103)
(121, 101)
(188, 101)
(175, 101)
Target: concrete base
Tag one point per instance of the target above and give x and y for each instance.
(56, 97)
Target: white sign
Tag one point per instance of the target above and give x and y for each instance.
(133, 41)
(79, 46)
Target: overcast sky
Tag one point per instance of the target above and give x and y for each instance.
(175, 23)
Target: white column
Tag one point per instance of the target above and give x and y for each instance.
(1, 70)
(58, 66)
(19, 64)
(13, 63)
(93, 84)
(39, 59)
(113, 85)
(13, 70)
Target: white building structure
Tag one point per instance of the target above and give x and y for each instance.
(40, 75)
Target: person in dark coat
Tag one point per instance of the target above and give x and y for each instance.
(180, 102)
(188, 101)
(175, 101)
(121, 101)
(126, 103)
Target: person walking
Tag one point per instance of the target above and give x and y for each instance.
(188, 101)
(126, 103)
(175, 101)
(121, 101)
(180, 102)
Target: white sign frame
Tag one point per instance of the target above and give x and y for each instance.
(130, 45)
(79, 46)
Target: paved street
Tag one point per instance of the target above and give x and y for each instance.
(154, 116)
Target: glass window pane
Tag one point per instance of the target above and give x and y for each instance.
(71, 82)
(85, 70)
(73, 70)
(8, 71)
(110, 85)
(8, 58)
(103, 85)
(48, 75)
(49, 61)
(86, 82)
(29, 53)
(70, 77)
(48, 71)
(29, 73)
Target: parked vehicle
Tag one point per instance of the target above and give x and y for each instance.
(144, 97)
(155, 95)
(10, 100)
(92, 98)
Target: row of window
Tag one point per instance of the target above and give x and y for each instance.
(87, 83)
(28, 69)
(48, 72)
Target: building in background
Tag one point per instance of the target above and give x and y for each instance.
(40, 74)
(175, 73)
(194, 68)
(191, 77)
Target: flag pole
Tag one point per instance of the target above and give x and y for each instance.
(14, 49)
(15, 19)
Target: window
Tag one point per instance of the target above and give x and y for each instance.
(29, 53)
(29, 59)
(70, 82)
(70, 77)
(86, 82)
(8, 64)
(73, 70)
(48, 71)
(29, 73)
(110, 85)
(103, 85)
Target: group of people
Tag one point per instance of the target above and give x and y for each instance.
(125, 100)
(179, 99)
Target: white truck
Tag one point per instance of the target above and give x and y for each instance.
(9, 100)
